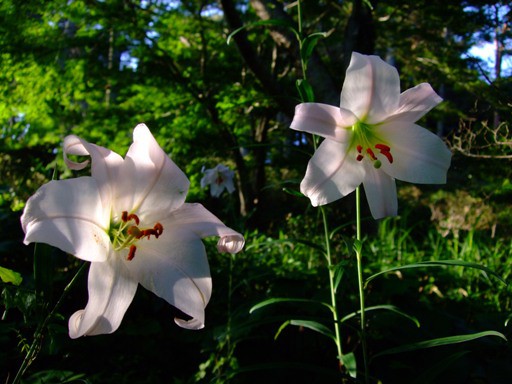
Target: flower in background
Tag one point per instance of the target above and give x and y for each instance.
(130, 220)
(218, 178)
(371, 138)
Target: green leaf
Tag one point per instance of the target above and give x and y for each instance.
(350, 363)
(339, 269)
(358, 246)
(276, 300)
(10, 276)
(309, 43)
(270, 22)
(440, 263)
(315, 326)
(440, 342)
(305, 91)
(293, 192)
(391, 308)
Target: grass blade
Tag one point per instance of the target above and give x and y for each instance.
(440, 342)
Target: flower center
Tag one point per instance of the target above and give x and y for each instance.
(369, 145)
(126, 233)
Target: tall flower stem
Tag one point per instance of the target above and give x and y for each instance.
(334, 305)
(359, 257)
(38, 334)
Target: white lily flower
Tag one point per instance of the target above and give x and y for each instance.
(130, 220)
(372, 138)
(218, 178)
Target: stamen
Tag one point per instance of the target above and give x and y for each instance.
(135, 232)
(124, 216)
(133, 216)
(159, 229)
(383, 147)
(359, 157)
(359, 148)
(370, 152)
(388, 155)
(131, 252)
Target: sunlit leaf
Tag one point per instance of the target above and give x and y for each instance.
(10, 276)
(440, 342)
(440, 263)
(305, 91)
(309, 43)
(350, 363)
(391, 308)
(315, 326)
(276, 300)
(293, 192)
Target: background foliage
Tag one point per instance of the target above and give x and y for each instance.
(97, 68)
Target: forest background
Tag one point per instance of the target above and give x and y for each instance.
(98, 68)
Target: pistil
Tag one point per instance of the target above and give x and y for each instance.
(128, 234)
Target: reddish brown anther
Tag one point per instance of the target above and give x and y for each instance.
(124, 216)
(133, 216)
(359, 148)
(359, 157)
(159, 229)
(131, 252)
(382, 147)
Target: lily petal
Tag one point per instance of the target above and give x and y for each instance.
(414, 103)
(331, 173)
(419, 155)
(151, 183)
(323, 120)
(371, 89)
(380, 192)
(197, 219)
(69, 215)
(105, 164)
(111, 291)
(175, 268)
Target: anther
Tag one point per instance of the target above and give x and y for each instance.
(359, 148)
(382, 147)
(131, 252)
(133, 216)
(124, 216)
(159, 229)
(359, 157)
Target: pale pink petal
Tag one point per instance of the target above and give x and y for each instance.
(419, 156)
(323, 120)
(105, 164)
(111, 290)
(68, 214)
(371, 89)
(380, 190)
(331, 173)
(175, 268)
(197, 219)
(414, 103)
(151, 183)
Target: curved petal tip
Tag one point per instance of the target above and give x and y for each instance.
(231, 244)
(192, 324)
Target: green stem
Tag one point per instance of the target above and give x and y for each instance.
(331, 269)
(38, 334)
(360, 280)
